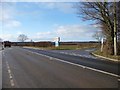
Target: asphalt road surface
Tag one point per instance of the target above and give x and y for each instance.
(95, 63)
(0, 69)
(29, 68)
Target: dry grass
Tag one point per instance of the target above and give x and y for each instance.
(98, 52)
(66, 47)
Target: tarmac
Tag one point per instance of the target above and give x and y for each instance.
(0, 66)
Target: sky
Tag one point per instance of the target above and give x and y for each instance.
(43, 21)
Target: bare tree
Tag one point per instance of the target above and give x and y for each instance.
(118, 21)
(102, 13)
(98, 36)
(22, 37)
(118, 27)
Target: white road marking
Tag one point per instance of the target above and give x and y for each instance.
(93, 69)
(3, 53)
(89, 50)
(50, 58)
(10, 75)
(65, 53)
(8, 67)
(9, 71)
(10, 48)
(12, 83)
(6, 63)
(73, 54)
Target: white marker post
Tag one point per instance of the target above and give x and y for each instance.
(102, 42)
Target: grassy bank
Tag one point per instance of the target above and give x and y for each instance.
(98, 52)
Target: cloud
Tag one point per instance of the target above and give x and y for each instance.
(65, 32)
(12, 24)
(41, 0)
(61, 6)
(7, 17)
(96, 25)
(6, 12)
(75, 30)
(7, 37)
(19, 32)
(56, 0)
(68, 33)
(45, 36)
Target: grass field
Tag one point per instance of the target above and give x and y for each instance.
(67, 47)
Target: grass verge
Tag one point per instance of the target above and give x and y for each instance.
(98, 52)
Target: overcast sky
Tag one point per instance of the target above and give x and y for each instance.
(43, 21)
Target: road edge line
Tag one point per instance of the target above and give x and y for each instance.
(93, 69)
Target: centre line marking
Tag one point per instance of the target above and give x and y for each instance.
(9, 71)
(10, 75)
(12, 83)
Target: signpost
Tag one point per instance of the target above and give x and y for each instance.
(57, 40)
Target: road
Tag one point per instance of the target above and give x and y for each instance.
(0, 69)
(89, 60)
(0, 65)
(30, 68)
(82, 52)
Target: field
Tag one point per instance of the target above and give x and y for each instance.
(69, 47)
(62, 46)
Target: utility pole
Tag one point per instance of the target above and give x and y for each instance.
(115, 30)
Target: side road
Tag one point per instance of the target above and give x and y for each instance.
(111, 67)
(87, 53)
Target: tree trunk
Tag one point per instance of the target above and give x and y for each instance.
(109, 44)
(108, 47)
(118, 28)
